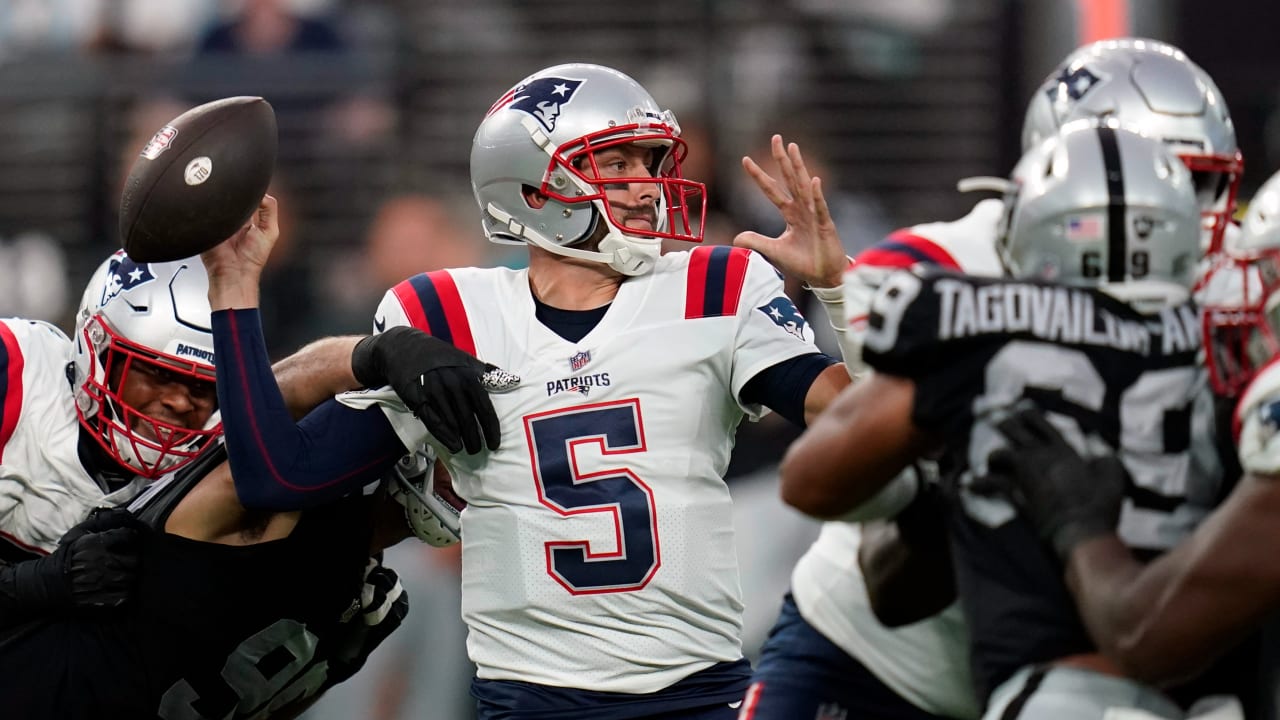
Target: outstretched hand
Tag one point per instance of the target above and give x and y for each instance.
(1069, 499)
(235, 265)
(809, 248)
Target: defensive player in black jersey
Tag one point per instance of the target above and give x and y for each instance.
(1109, 350)
(238, 613)
(1165, 620)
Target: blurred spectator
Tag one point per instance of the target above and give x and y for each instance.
(265, 35)
(33, 279)
(32, 27)
(153, 27)
(270, 27)
(410, 233)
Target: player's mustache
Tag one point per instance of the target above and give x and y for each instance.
(626, 212)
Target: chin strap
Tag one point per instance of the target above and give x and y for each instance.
(627, 255)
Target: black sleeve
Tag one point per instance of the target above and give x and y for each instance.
(14, 607)
(782, 387)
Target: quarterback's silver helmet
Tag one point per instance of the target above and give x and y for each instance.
(543, 135)
(1100, 205)
(1260, 228)
(1154, 88)
(152, 318)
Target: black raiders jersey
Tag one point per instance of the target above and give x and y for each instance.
(1109, 376)
(215, 631)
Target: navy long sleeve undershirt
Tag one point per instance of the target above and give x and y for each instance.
(278, 464)
(782, 388)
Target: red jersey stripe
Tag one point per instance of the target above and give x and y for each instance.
(455, 312)
(10, 385)
(924, 245)
(696, 287)
(735, 278)
(412, 307)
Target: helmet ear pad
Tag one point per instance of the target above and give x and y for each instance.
(573, 233)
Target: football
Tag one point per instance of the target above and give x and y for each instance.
(198, 179)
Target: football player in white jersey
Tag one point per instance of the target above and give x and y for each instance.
(599, 570)
(87, 422)
(1144, 83)
(942, 364)
(828, 652)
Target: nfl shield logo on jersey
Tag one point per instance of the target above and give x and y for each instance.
(785, 315)
(579, 361)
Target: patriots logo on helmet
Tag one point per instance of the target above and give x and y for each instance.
(1269, 414)
(1074, 82)
(545, 99)
(125, 274)
(784, 314)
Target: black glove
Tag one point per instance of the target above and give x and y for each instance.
(438, 382)
(95, 566)
(380, 609)
(1067, 498)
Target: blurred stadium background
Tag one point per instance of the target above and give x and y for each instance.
(377, 101)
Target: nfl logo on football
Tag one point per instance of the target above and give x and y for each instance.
(159, 142)
(579, 361)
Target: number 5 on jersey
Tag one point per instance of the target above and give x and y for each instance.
(556, 440)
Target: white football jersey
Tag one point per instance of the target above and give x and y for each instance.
(967, 244)
(925, 662)
(598, 548)
(44, 489)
